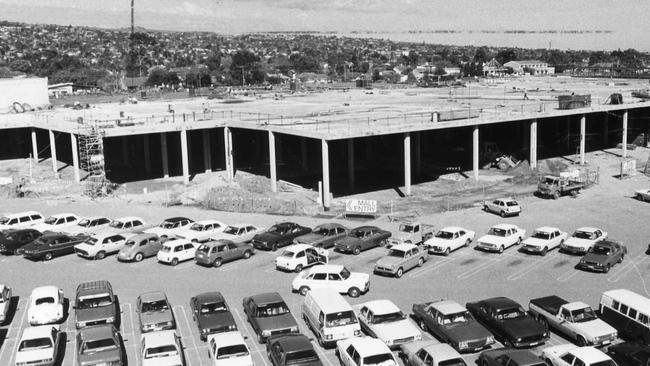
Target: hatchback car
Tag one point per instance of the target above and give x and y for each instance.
(100, 345)
(603, 256)
(139, 247)
(89, 225)
(217, 252)
(176, 251)
(211, 314)
(229, 349)
(332, 276)
(364, 351)
(292, 349)
(299, 256)
(154, 312)
(269, 315)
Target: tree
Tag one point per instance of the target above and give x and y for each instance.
(157, 76)
(213, 62)
(243, 61)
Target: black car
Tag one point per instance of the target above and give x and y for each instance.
(510, 357)
(12, 241)
(509, 322)
(211, 314)
(630, 354)
(279, 235)
(269, 315)
(52, 245)
(292, 349)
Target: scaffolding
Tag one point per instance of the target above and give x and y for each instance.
(91, 160)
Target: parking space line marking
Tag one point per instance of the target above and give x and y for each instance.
(180, 330)
(22, 322)
(527, 269)
(476, 270)
(637, 261)
(434, 265)
(250, 336)
(11, 328)
(134, 340)
(567, 275)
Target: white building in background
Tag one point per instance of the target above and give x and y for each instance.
(32, 91)
(532, 67)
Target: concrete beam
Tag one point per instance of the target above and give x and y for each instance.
(147, 153)
(475, 148)
(207, 151)
(34, 146)
(164, 154)
(624, 142)
(583, 138)
(533, 144)
(184, 157)
(351, 182)
(55, 168)
(272, 163)
(227, 142)
(407, 164)
(326, 173)
(75, 157)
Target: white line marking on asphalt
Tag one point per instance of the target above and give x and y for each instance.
(529, 268)
(479, 268)
(629, 266)
(564, 277)
(133, 339)
(180, 330)
(10, 329)
(430, 265)
(22, 321)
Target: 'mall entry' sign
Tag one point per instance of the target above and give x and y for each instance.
(361, 206)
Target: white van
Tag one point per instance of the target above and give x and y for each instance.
(628, 312)
(329, 316)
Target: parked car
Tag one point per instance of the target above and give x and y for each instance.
(161, 348)
(332, 276)
(123, 225)
(20, 220)
(401, 258)
(382, 319)
(544, 238)
(570, 354)
(323, 236)
(95, 304)
(430, 353)
(509, 356)
(292, 349)
(503, 207)
(509, 322)
(100, 245)
(215, 253)
(57, 223)
(451, 323)
(630, 354)
(582, 240)
(176, 250)
(100, 345)
(279, 235)
(642, 195)
(603, 256)
(12, 241)
(45, 305)
(449, 239)
(362, 238)
(51, 245)
(364, 351)
(170, 227)
(201, 231)
(5, 303)
(154, 312)
(269, 315)
(229, 349)
(89, 225)
(38, 346)
(139, 246)
(238, 233)
(299, 256)
(501, 237)
(211, 314)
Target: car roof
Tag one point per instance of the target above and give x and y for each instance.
(53, 235)
(41, 331)
(452, 229)
(141, 236)
(629, 298)
(26, 213)
(608, 243)
(59, 215)
(267, 298)
(442, 351)
(95, 217)
(575, 305)
(212, 243)
(293, 342)
(297, 247)
(243, 224)
(326, 268)
(206, 222)
(381, 306)
(44, 291)
(366, 227)
(505, 199)
(18, 231)
(94, 287)
(176, 241)
(589, 355)
(367, 346)
(588, 229)
(208, 297)
(330, 300)
(523, 356)
(152, 296)
(504, 226)
(226, 339)
(330, 225)
(176, 219)
(547, 229)
(159, 338)
(404, 247)
(96, 332)
(448, 307)
(128, 218)
(500, 302)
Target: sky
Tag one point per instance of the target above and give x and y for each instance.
(625, 19)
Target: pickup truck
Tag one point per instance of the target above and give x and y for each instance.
(554, 186)
(577, 320)
(411, 233)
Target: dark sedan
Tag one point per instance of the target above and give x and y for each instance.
(211, 314)
(269, 315)
(603, 256)
(630, 354)
(509, 322)
(279, 235)
(292, 349)
(362, 238)
(52, 245)
(323, 236)
(12, 241)
(510, 357)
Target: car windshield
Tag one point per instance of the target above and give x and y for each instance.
(407, 228)
(601, 249)
(384, 359)
(161, 351)
(84, 223)
(583, 235)
(301, 356)
(116, 224)
(541, 235)
(497, 231)
(387, 318)
(44, 300)
(94, 301)
(99, 345)
(50, 220)
(158, 305)
(277, 229)
(213, 308)
(35, 344)
(456, 318)
(288, 254)
(231, 230)
(196, 227)
(444, 235)
(166, 249)
(339, 319)
(345, 274)
(583, 315)
(4, 220)
(396, 253)
(321, 231)
(512, 203)
(235, 350)
(549, 180)
(273, 309)
(512, 313)
(168, 225)
(130, 243)
(203, 249)
(91, 241)
(452, 362)
(358, 233)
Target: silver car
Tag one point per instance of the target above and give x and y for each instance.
(139, 247)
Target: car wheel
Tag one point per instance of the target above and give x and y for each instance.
(260, 339)
(607, 268)
(639, 197)
(447, 251)
(174, 262)
(298, 268)
(247, 254)
(501, 249)
(383, 243)
(621, 258)
(356, 251)
(423, 325)
(503, 214)
(542, 321)
(544, 251)
(217, 263)
(48, 256)
(467, 242)
(354, 292)
(19, 251)
(519, 241)
(274, 247)
(100, 255)
(139, 257)
(420, 262)
(508, 344)
(195, 241)
(304, 290)
(581, 341)
(556, 195)
(321, 342)
(399, 272)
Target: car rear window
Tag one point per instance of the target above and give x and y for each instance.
(452, 362)
(35, 344)
(44, 300)
(236, 350)
(98, 345)
(301, 356)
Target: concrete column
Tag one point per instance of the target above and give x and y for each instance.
(407, 164)
(624, 142)
(75, 157)
(163, 153)
(207, 151)
(147, 153)
(184, 157)
(55, 168)
(227, 142)
(303, 154)
(606, 130)
(583, 131)
(533, 144)
(272, 164)
(326, 173)
(418, 154)
(34, 146)
(351, 164)
(475, 148)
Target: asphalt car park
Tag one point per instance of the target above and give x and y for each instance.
(465, 275)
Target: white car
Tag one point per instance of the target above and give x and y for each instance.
(89, 225)
(503, 207)
(201, 231)
(448, 239)
(5, 302)
(238, 233)
(384, 320)
(38, 346)
(544, 238)
(229, 349)
(177, 250)
(100, 245)
(170, 227)
(20, 220)
(299, 256)
(583, 239)
(162, 348)
(128, 224)
(501, 237)
(570, 355)
(45, 305)
(642, 195)
(363, 351)
(57, 223)
(332, 276)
